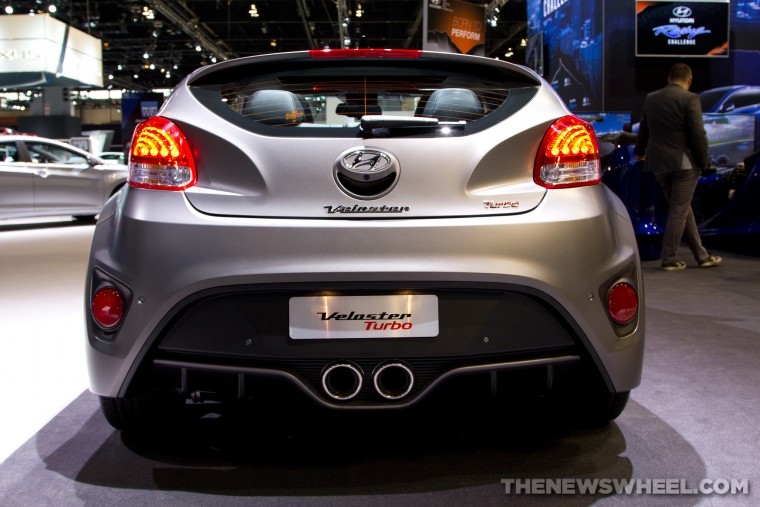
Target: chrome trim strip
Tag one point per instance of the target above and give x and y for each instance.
(308, 390)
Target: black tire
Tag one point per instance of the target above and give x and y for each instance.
(148, 412)
(592, 409)
(606, 407)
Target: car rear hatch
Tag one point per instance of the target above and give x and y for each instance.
(364, 134)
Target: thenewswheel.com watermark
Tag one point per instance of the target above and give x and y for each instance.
(578, 486)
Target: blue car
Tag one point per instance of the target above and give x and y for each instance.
(731, 99)
(726, 199)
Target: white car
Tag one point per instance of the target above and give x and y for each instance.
(45, 177)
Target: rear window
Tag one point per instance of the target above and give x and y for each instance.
(8, 152)
(331, 98)
(743, 98)
(710, 98)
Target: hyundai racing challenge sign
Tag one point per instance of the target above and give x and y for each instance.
(695, 28)
(454, 26)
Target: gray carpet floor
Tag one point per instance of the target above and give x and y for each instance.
(695, 416)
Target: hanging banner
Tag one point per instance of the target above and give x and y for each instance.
(453, 26)
(568, 34)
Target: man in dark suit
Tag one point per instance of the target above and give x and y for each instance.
(673, 142)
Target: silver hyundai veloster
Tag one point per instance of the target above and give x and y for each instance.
(367, 228)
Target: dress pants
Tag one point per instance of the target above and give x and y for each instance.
(679, 187)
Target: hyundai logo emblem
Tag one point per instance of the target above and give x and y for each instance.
(366, 173)
(362, 161)
(682, 12)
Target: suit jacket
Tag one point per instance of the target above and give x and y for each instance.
(671, 126)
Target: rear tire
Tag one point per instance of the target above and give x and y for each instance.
(148, 412)
(605, 407)
(593, 409)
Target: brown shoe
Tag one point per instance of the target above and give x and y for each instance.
(673, 266)
(711, 261)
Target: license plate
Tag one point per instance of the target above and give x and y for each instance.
(342, 317)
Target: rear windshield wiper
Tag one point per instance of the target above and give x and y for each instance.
(381, 121)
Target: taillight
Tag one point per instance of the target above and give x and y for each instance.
(160, 157)
(107, 307)
(622, 303)
(365, 53)
(568, 156)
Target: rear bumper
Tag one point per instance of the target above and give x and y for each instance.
(209, 294)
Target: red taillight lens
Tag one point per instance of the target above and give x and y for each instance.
(160, 157)
(622, 303)
(365, 53)
(107, 307)
(568, 156)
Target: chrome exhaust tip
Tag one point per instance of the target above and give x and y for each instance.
(393, 380)
(342, 380)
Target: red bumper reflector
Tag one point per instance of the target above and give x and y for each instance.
(622, 303)
(107, 307)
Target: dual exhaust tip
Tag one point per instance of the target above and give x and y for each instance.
(343, 380)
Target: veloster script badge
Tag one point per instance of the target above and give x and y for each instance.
(356, 209)
(501, 204)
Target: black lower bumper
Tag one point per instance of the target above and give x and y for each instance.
(222, 342)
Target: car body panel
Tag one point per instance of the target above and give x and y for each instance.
(16, 189)
(249, 252)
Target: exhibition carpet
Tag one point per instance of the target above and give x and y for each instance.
(694, 417)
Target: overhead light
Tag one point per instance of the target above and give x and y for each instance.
(359, 10)
(253, 11)
(148, 13)
(273, 43)
(198, 48)
(9, 9)
(52, 9)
